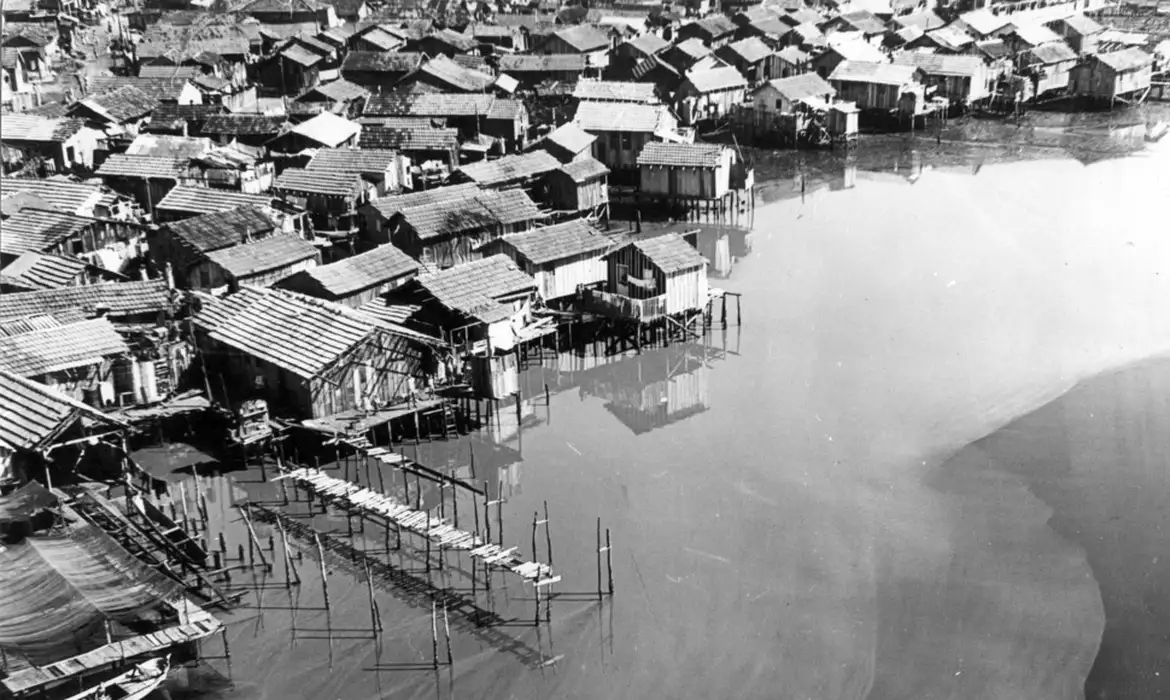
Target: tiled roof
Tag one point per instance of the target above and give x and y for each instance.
(1126, 59)
(508, 109)
(429, 105)
(122, 299)
(510, 168)
(65, 347)
(615, 91)
(558, 242)
(37, 230)
(584, 38)
(362, 271)
(670, 253)
(458, 76)
(69, 197)
(609, 116)
(174, 115)
(649, 44)
(34, 414)
(402, 122)
(689, 155)
(490, 31)
(693, 48)
(983, 21)
(939, 64)
(380, 37)
(571, 138)
(857, 50)
(799, 87)
(388, 311)
(204, 200)
(585, 170)
(328, 129)
(295, 332)
(454, 39)
(534, 63)
(717, 25)
(363, 161)
(32, 271)
(1082, 25)
(409, 139)
(375, 62)
(864, 21)
(871, 72)
(340, 90)
(264, 255)
(294, 180)
(474, 288)
(159, 89)
(750, 50)
(478, 210)
(124, 165)
(243, 124)
(222, 229)
(391, 205)
(123, 104)
(36, 322)
(168, 146)
(28, 127)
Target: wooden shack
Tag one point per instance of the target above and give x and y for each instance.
(1113, 76)
(960, 79)
(448, 232)
(711, 93)
(259, 263)
(185, 244)
(623, 130)
(686, 170)
(355, 280)
(332, 199)
(309, 357)
(568, 143)
(563, 259)
(650, 278)
(877, 86)
(579, 186)
(75, 358)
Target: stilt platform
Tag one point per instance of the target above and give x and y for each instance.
(367, 502)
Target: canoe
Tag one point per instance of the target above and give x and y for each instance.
(134, 684)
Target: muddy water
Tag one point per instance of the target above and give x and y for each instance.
(785, 517)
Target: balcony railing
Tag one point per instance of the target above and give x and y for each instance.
(620, 306)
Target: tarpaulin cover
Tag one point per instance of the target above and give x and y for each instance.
(58, 591)
(25, 502)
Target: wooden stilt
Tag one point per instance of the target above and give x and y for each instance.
(609, 560)
(434, 635)
(547, 535)
(324, 573)
(447, 635)
(289, 570)
(375, 619)
(599, 550)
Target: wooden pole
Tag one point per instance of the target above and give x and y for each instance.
(289, 571)
(374, 617)
(547, 535)
(487, 513)
(183, 501)
(599, 558)
(500, 513)
(434, 635)
(609, 560)
(535, 517)
(324, 573)
(447, 635)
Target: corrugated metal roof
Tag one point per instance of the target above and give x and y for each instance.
(584, 170)
(559, 242)
(205, 200)
(750, 50)
(294, 180)
(688, 155)
(65, 347)
(300, 55)
(474, 288)
(39, 229)
(32, 271)
(479, 210)
(458, 76)
(584, 38)
(714, 79)
(264, 255)
(608, 116)
(571, 138)
(408, 139)
(121, 299)
(670, 253)
(615, 91)
(1126, 59)
(983, 21)
(939, 64)
(295, 332)
(510, 168)
(328, 129)
(389, 312)
(363, 271)
(125, 165)
(1035, 34)
(34, 413)
(693, 48)
(69, 197)
(799, 87)
(1082, 25)
(169, 146)
(649, 44)
(223, 229)
(871, 72)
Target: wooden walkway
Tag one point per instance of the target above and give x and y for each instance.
(37, 678)
(368, 502)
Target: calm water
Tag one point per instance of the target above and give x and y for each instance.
(811, 506)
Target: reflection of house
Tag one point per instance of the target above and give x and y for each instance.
(653, 390)
(562, 258)
(309, 356)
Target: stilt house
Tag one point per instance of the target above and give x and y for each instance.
(686, 170)
(447, 232)
(563, 258)
(355, 280)
(651, 278)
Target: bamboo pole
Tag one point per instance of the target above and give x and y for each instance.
(434, 635)
(289, 571)
(609, 560)
(324, 573)
(374, 617)
(447, 635)
(547, 535)
(253, 540)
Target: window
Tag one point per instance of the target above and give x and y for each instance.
(779, 104)
(627, 141)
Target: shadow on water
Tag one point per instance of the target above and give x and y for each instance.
(1097, 457)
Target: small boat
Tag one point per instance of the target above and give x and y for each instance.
(134, 684)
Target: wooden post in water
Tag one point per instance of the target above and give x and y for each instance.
(599, 550)
(487, 513)
(375, 618)
(547, 535)
(738, 312)
(500, 513)
(324, 573)
(535, 517)
(222, 544)
(434, 635)
(609, 560)
(253, 541)
(447, 635)
(290, 571)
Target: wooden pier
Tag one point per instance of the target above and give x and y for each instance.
(369, 503)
